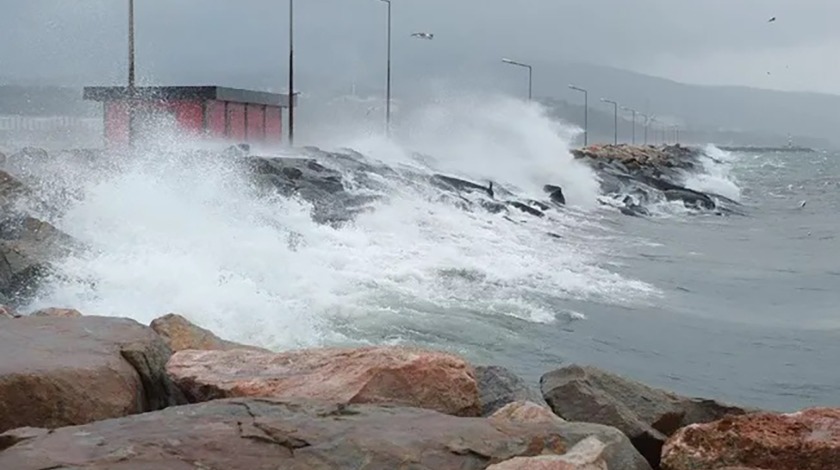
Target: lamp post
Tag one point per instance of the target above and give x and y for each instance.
(615, 111)
(634, 121)
(530, 74)
(647, 123)
(585, 113)
(388, 76)
(131, 74)
(291, 73)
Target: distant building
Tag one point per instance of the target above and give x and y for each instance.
(242, 116)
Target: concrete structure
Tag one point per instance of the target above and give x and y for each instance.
(196, 111)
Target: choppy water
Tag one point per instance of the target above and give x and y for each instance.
(738, 308)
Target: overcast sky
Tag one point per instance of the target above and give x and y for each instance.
(193, 41)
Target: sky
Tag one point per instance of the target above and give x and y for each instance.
(342, 41)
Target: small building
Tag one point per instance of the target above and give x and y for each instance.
(242, 116)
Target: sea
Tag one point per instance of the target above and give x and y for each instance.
(740, 307)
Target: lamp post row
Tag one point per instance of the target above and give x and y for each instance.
(291, 93)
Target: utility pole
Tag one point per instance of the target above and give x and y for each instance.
(388, 77)
(131, 74)
(291, 73)
(585, 113)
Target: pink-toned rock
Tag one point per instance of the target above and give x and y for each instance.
(381, 375)
(6, 312)
(808, 440)
(57, 312)
(588, 454)
(526, 412)
(180, 335)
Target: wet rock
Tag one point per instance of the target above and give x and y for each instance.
(555, 193)
(646, 415)
(180, 334)
(65, 371)
(6, 312)
(57, 312)
(808, 440)
(383, 375)
(690, 198)
(256, 434)
(526, 208)
(499, 386)
(28, 246)
(456, 184)
(525, 412)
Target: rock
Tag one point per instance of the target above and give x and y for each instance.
(499, 386)
(27, 248)
(555, 193)
(10, 438)
(263, 434)
(57, 312)
(383, 375)
(66, 371)
(808, 440)
(646, 415)
(525, 412)
(7, 312)
(180, 334)
(587, 454)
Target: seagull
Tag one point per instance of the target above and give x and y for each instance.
(429, 36)
(771, 19)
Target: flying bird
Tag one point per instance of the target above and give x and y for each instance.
(771, 19)
(423, 35)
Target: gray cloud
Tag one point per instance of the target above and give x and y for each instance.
(340, 41)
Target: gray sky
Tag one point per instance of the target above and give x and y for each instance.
(194, 41)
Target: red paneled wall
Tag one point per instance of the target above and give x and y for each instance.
(190, 116)
(216, 118)
(256, 123)
(273, 124)
(236, 121)
(116, 124)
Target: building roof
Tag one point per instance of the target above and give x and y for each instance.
(168, 93)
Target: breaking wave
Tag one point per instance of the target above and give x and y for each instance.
(187, 232)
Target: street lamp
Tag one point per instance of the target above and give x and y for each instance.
(647, 123)
(291, 73)
(388, 77)
(615, 112)
(585, 113)
(530, 73)
(131, 75)
(634, 121)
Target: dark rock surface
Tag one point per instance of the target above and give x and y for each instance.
(260, 434)
(498, 387)
(65, 371)
(646, 415)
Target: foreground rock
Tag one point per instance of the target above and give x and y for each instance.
(258, 434)
(63, 371)
(526, 412)
(809, 440)
(646, 415)
(588, 454)
(180, 334)
(57, 312)
(382, 375)
(499, 386)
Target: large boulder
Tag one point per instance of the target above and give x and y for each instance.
(392, 375)
(263, 434)
(180, 335)
(499, 386)
(525, 412)
(27, 248)
(588, 454)
(646, 415)
(808, 440)
(64, 371)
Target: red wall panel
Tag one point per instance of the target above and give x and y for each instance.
(116, 124)
(190, 116)
(216, 118)
(273, 124)
(236, 121)
(256, 123)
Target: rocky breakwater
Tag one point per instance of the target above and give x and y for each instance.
(635, 177)
(96, 392)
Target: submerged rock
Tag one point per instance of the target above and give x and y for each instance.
(499, 386)
(808, 440)
(67, 371)
(382, 375)
(256, 434)
(646, 415)
(180, 334)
